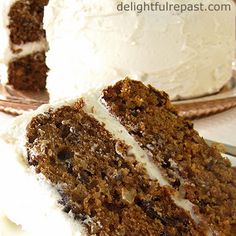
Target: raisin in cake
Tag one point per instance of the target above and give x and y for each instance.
(119, 161)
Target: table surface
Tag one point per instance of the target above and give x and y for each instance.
(220, 127)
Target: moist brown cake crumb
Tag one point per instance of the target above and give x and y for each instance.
(26, 17)
(98, 180)
(28, 73)
(198, 171)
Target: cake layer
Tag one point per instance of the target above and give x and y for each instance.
(29, 72)
(168, 50)
(196, 170)
(25, 21)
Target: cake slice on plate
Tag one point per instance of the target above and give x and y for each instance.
(117, 161)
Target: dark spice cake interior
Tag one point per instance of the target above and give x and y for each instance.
(95, 181)
(29, 72)
(26, 17)
(109, 191)
(198, 171)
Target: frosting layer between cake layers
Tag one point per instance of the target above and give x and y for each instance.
(187, 55)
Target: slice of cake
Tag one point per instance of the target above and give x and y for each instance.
(119, 161)
(23, 44)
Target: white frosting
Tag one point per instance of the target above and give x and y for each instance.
(4, 31)
(6, 54)
(91, 43)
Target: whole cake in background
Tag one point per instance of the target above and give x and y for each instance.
(187, 55)
(115, 162)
